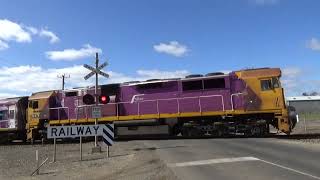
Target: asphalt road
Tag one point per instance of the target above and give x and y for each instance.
(239, 158)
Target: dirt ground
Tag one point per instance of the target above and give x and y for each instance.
(128, 160)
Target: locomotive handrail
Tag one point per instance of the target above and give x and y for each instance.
(235, 94)
(58, 108)
(200, 107)
(157, 101)
(86, 107)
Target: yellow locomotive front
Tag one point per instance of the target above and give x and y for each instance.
(266, 95)
(38, 114)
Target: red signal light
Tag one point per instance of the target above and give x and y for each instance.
(104, 99)
(88, 99)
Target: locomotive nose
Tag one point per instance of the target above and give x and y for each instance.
(293, 116)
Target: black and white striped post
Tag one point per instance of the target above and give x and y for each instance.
(108, 136)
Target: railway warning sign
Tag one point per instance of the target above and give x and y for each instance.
(75, 131)
(96, 112)
(108, 134)
(96, 70)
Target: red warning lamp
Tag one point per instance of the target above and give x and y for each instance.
(104, 99)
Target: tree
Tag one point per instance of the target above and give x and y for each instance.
(314, 93)
(305, 94)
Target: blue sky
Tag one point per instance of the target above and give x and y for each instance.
(146, 39)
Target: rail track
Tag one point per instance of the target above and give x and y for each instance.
(271, 135)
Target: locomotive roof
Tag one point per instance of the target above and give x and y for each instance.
(146, 82)
(259, 72)
(10, 100)
(41, 95)
(205, 77)
(171, 79)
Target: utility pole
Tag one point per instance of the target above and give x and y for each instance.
(63, 77)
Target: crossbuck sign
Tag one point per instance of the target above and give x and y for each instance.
(94, 70)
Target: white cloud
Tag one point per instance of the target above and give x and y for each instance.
(12, 31)
(43, 32)
(3, 45)
(265, 2)
(7, 95)
(73, 54)
(156, 74)
(314, 44)
(291, 72)
(172, 48)
(53, 37)
(31, 29)
(296, 81)
(23, 80)
(291, 81)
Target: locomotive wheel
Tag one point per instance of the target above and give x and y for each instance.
(175, 130)
(258, 131)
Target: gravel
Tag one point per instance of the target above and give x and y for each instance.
(128, 160)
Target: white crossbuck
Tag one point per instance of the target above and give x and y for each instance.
(94, 70)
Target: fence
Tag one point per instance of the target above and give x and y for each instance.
(309, 123)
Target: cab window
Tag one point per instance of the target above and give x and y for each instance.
(266, 85)
(192, 85)
(3, 115)
(217, 83)
(275, 82)
(71, 93)
(11, 114)
(34, 104)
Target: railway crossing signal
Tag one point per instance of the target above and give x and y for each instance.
(96, 71)
(88, 99)
(104, 99)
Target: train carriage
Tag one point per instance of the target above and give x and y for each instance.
(13, 118)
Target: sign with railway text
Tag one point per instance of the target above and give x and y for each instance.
(75, 131)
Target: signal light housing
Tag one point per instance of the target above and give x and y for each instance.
(104, 99)
(88, 99)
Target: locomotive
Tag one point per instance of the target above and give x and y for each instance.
(241, 102)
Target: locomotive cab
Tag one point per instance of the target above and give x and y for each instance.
(264, 85)
(38, 114)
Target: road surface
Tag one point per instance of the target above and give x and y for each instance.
(239, 158)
